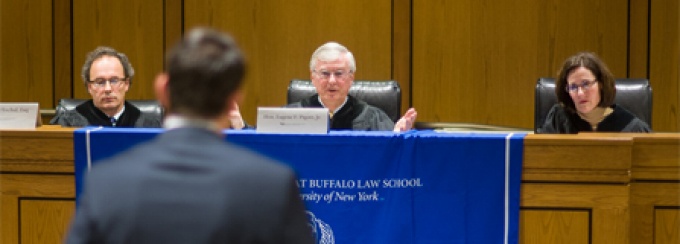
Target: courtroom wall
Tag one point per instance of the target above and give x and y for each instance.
(456, 61)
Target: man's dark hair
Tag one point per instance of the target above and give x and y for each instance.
(204, 69)
(106, 51)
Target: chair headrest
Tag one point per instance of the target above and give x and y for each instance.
(635, 95)
(385, 95)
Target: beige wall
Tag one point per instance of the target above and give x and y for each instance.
(457, 61)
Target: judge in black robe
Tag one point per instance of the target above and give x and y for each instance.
(87, 114)
(353, 115)
(561, 121)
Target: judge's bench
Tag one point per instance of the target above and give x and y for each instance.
(585, 188)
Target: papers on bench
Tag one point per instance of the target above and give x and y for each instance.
(18, 115)
(292, 120)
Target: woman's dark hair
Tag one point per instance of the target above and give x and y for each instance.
(590, 61)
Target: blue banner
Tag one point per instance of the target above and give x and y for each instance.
(378, 187)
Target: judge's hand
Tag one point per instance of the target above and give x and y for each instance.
(235, 119)
(405, 123)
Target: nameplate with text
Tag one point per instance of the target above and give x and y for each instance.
(18, 115)
(292, 120)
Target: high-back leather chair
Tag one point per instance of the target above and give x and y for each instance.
(149, 107)
(385, 95)
(635, 95)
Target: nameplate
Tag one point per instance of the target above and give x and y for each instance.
(292, 120)
(18, 115)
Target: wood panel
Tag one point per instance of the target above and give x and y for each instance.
(638, 63)
(668, 226)
(559, 158)
(554, 226)
(37, 192)
(608, 205)
(26, 52)
(174, 20)
(27, 152)
(667, 222)
(656, 157)
(478, 61)
(134, 27)
(654, 209)
(655, 189)
(279, 36)
(664, 63)
(63, 60)
(401, 49)
(45, 220)
(51, 225)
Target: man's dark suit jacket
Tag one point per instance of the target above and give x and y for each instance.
(189, 186)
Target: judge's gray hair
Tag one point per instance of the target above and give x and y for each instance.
(332, 51)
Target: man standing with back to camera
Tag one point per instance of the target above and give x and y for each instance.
(188, 185)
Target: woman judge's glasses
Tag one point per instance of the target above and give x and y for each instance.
(585, 85)
(115, 82)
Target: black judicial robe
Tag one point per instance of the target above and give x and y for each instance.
(561, 121)
(87, 114)
(354, 115)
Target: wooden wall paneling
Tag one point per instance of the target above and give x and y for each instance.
(134, 27)
(607, 203)
(401, 49)
(568, 226)
(174, 20)
(472, 60)
(656, 157)
(9, 216)
(63, 58)
(57, 157)
(503, 63)
(56, 214)
(478, 61)
(20, 152)
(551, 158)
(667, 222)
(638, 47)
(44, 220)
(567, 27)
(36, 165)
(26, 64)
(654, 210)
(664, 63)
(279, 36)
(441, 60)
(655, 189)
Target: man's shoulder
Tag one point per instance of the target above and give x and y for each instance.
(148, 121)
(200, 148)
(369, 117)
(69, 118)
(368, 110)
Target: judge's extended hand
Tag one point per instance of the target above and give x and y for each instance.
(235, 119)
(405, 123)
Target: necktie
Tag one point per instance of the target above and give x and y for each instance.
(113, 121)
